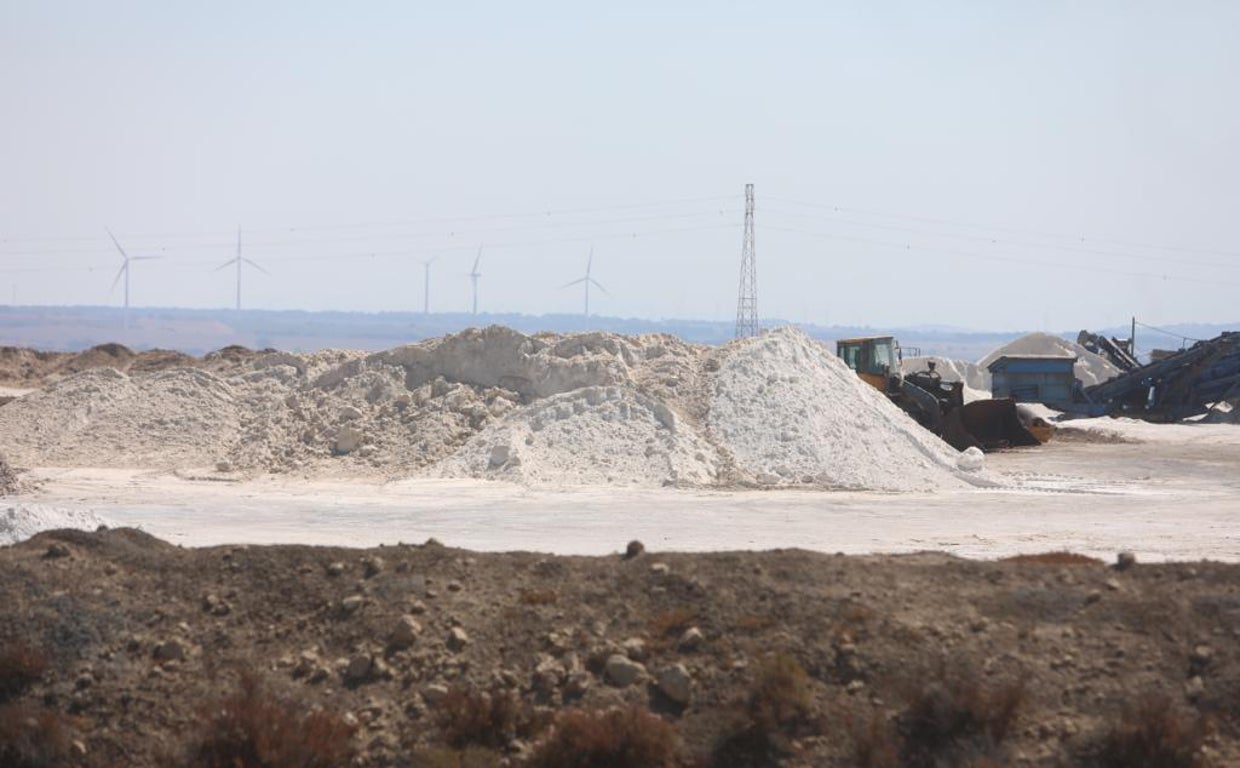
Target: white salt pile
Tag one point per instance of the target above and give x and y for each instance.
(20, 522)
(495, 403)
(791, 412)
(587, 436)
(106, 418)
(1090, 369)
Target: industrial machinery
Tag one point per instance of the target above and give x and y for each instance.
(936, 404)
(1121, 352)
(1184, 384)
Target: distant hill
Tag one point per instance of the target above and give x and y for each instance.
(197, 331)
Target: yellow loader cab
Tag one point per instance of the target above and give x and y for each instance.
(876, 359)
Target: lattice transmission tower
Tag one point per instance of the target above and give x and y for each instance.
(747, 296)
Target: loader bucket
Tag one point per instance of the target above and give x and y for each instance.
(988, 425)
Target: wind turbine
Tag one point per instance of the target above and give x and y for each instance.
(474, 274)
(239, 260)
(426, 285)
(124, 272)
(587, 280)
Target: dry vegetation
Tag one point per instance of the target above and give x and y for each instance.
(119, 650)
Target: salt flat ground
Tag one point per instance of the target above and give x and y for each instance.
(1174, 495)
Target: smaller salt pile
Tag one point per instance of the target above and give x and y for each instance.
(1090, 369)
(790, 412)
(592, 435)
(20, 522)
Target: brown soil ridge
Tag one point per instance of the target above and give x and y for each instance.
(142, 635)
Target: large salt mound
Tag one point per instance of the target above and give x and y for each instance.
(1090, 369)
(790, 412)
(591, 435)
(20, 522)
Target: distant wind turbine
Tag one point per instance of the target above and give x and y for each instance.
(239, 260)
(124, 272)
(474, 274)
(587, 281)
(426, 285)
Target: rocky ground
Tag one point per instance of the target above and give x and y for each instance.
(117, 649)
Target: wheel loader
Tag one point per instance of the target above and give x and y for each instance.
(939, 405)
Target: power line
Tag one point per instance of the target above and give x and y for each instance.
(472, 233)
(550, 212)
(995, 241)
(995, 257)
(1169, 333)
(411, 252)
(1010, 230)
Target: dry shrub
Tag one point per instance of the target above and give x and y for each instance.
(33, 738)
(21, 665)
(752, 622)
(537, 597)
(958, 718)
(1053, 558)
(469, 717)
(1153, 733)
(255, 728)
(777, 707)
(619, 738)
(671, 623)
(875, 743)
(470, 757)
(780, 695)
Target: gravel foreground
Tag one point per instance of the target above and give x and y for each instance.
(772, 658)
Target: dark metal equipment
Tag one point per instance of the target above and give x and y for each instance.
(1187, 383)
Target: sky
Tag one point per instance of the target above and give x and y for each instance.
(992, 166)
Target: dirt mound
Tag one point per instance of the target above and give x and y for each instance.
(1090, 369)
(154, 360)
(22, 367)
(411, 646)
(116, 356)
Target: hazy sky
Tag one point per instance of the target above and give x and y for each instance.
(1005, 165)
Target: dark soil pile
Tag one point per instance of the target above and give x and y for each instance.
(119, 649)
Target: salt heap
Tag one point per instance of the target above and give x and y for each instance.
(790, 412)
(105, 418)
(588, 436)
(20, 522)
(494, 403)
(1090, 369)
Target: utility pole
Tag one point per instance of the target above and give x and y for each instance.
(747, 296)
